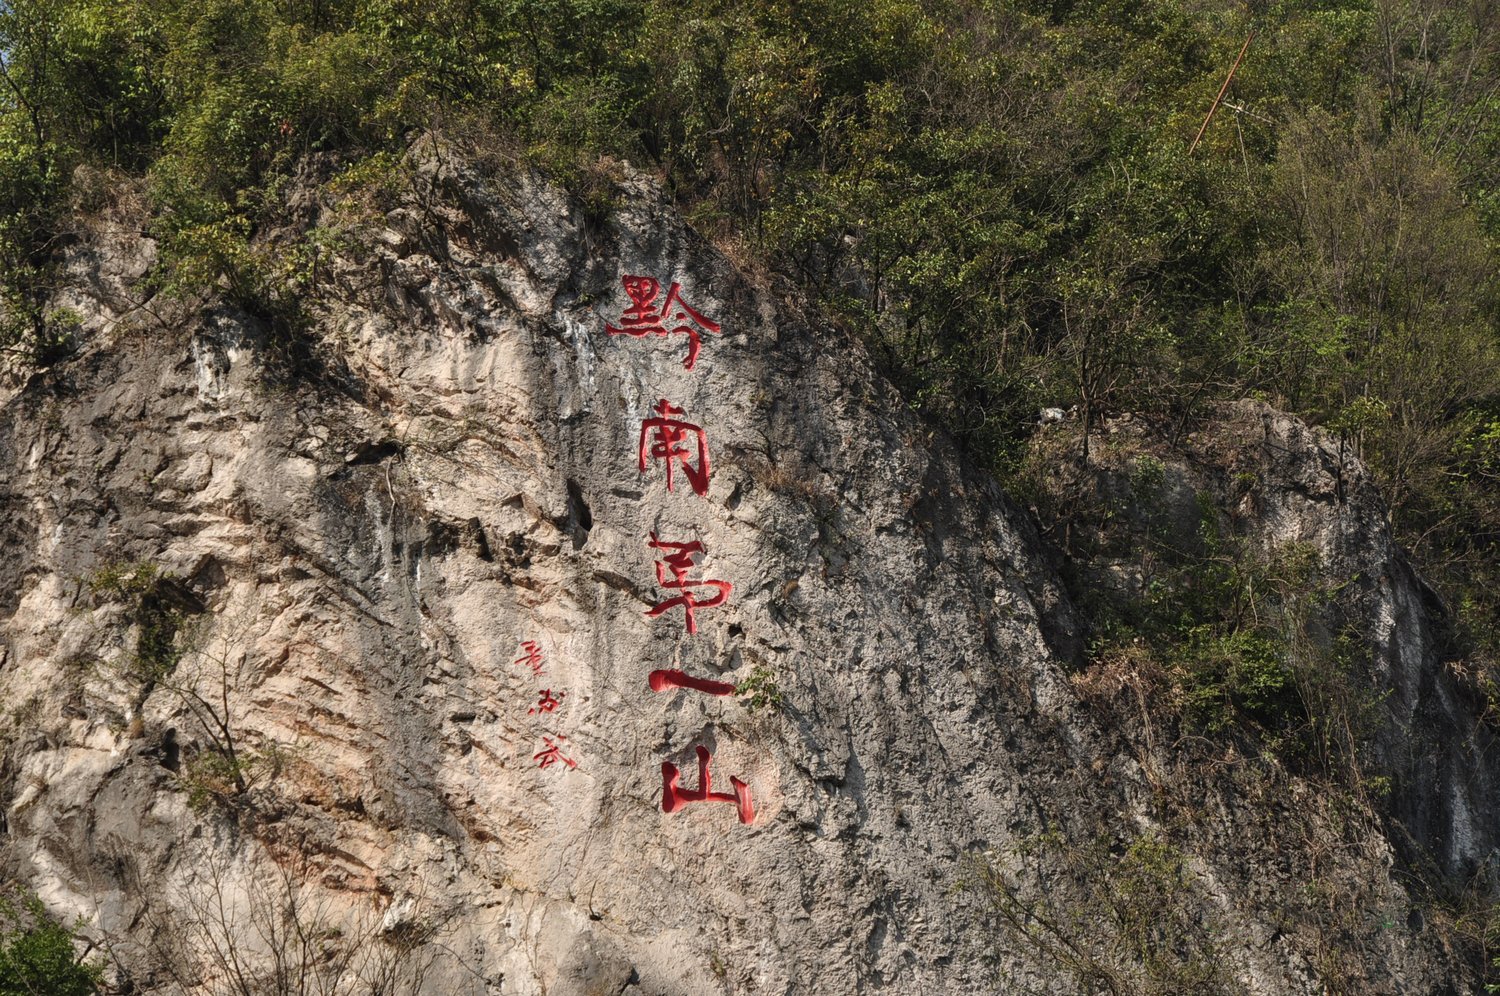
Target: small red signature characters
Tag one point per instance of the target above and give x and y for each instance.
(679, 563)
(546, 702)
(674, 798)
(672, 440)
(643, 318)
(660, 681)
(552, 753)
(532, 657)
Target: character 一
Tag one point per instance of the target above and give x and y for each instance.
(661, 680)
(679, 563)
(643, 317)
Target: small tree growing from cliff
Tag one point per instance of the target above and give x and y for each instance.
(169, 655)
(38, 954)
(273, 928)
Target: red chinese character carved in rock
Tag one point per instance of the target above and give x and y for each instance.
(532, 657)
(552, 753)
(643, 318)
(669, 439)
(674, 798)
(546, 703)
(660, 681)
(679, 563)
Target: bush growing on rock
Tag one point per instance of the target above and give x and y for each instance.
(38, 954)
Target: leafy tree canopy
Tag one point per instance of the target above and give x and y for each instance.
(37, 957)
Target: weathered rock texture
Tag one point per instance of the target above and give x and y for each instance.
(1264, 478)
(356, 555)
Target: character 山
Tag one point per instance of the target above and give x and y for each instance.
(673, 797)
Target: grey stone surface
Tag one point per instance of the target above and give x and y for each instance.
(372, 544)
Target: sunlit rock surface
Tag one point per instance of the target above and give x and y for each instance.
(358, 551)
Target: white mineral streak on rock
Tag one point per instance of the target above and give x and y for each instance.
(210, 374)
(581, 391)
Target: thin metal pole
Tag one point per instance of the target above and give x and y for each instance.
(1222, 90)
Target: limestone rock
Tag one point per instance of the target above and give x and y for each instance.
(373, 542)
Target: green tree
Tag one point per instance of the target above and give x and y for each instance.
(38, 955)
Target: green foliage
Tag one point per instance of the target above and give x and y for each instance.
(1116, 916)
(759, 690)
(1233, 636)
(218, 776)
(31, 187)
(139, 586)
(37, 953)
(1237, 676)
(1237, 644)
(123, 579)
(77, 78)
(997, 195)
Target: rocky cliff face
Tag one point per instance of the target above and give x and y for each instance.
(1276, 487)
(264, 654)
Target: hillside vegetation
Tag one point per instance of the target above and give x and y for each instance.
(1001, 196)
(1017, 205)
